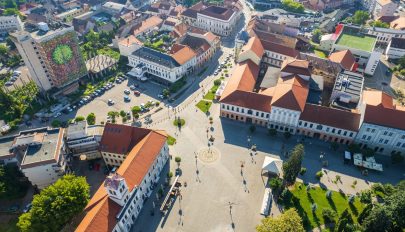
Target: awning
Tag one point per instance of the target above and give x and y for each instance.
(273, 165)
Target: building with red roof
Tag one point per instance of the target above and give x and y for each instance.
(141, 155)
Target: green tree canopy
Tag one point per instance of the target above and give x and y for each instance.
(91, 119)
(56, 205)
(286, 222)
(293, 6)
(316, 35)
(292, 166)
(360, 17)
(378, 23)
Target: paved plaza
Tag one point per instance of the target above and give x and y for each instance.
(223, 196)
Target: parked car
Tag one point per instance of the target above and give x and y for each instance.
(127, 91)
(27, 208)
(161, 96)
(132, 87)
(110, 102)
(137, 93)
(136, 85)
(127, 99)
(57, 115)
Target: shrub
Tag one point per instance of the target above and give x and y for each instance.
(157, 104)
(55, 123)
(169, 175)
(319, 175)
(135, 110)
(79, 118)
(275, 184)
(328, 215)
(217, 82)
(286, 195)
(303, 171)
(365, 197)
(91, 119)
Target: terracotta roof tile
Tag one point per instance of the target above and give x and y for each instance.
(344, 58)
(149, 22)
(243, 78)
(331, 117)
(101, 211)
(130, 40)
(295, 66)
(183, 55)
(398, 24)
(254, 45)
(378, 98)
(249, 100)
(291, 93)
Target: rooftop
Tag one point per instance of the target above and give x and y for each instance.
(344, 58)
(48, 150)
(398, 43)
(347, 89)
(357, 41)
(218, 12)
(156, 57)
(99, 63)
(101, 211)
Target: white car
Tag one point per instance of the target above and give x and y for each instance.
(111, 102)
(57, 115)
(127, 92)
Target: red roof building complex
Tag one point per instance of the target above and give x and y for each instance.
(141, 155)
(282, 100)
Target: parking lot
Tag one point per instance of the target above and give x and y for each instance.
(149, 91)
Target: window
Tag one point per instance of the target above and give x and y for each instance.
(319, 127)
(305, 124)
(339, 131)
(398, 144)
(364, 137)
(333, 130)
(381, 140)
(386, 141)
(373, 130)
(351, 134)
(390, 134)
(310, 125)
(368, 138)
(300, 123)
(385, 132)
(345, 133)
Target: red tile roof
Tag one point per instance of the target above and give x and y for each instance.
(295, 66)
(345, 58)
(243, 78)
(280, 49)
(255, 46)
(331, 117)
(101, 211)
(291, 93)
(249, 100)
(183, 55)
(120, 139)
(381, 110)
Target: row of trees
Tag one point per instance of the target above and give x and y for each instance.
(293, 6)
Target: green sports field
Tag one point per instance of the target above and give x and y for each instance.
(364, 43)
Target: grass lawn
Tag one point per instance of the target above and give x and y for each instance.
(204, 106)
(302, 201)
(320, 53)
(365, 43)
(211, 94)
(171, 140)
(11, 226)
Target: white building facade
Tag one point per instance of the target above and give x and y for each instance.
(132, 201)
(10, 23)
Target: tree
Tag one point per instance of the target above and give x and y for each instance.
(10, 185)
(135, 110)
(379, 219)
(56, 205)
(177, 159)
(11, 11)
(291, 5)
(378, 23)
(316, 35)
(288, 221)
(366, 211)
(10, 4)
(56, 123)
(328, 215)
(276, 185)
(365, 196)
(123, 114)
(360, 17)
(345, 222)
(91, 119)
(79, 119)
(3, 50)
(292, 166)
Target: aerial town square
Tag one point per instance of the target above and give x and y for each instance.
(202, 116)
